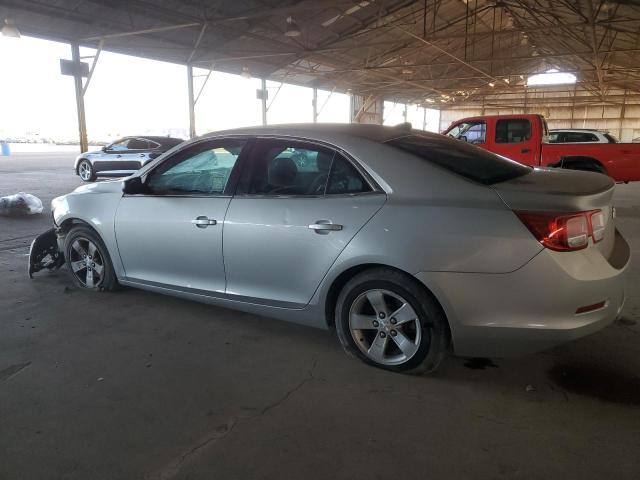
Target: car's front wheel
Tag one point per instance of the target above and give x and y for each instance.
(388, 320)
(86, 171)
(88, 260)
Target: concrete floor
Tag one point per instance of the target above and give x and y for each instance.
(134, 385)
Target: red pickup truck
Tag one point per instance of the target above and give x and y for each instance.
(523, 139)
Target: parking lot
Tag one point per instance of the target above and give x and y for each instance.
(138, 385)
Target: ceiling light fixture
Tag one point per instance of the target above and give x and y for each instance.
(491, 84)
(292, 30)
(9, 29)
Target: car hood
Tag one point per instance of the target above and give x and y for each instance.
(112, 186)
(92, 152)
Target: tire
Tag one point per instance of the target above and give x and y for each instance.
(95, 271)
(422, 324)
(586, 167)
(86, 171)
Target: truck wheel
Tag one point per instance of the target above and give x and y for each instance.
(585, 166)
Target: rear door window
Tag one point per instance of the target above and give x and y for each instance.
(581, 137)
(286, 167)
(345, 178)
(471, 162)
(514, 130)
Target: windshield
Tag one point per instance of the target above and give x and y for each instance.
(459, 157)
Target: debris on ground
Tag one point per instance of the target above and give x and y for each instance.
(20, 204)
(530, 388)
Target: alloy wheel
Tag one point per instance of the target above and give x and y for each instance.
(87, 263)
(385, 327)
(85, 171)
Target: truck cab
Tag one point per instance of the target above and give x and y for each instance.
(517, 137)
(524, 138)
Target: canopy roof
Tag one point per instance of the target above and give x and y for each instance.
(430, 52)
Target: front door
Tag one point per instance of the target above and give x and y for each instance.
(171, 235)
(297, 207)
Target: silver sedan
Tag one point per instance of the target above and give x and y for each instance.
(408, 244)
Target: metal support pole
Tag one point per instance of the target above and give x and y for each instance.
(424, 118)
(192, 104)
(404, 113)
(264, 101)
(315, 105)
(623, 109)
(77, 78)
(352, 107)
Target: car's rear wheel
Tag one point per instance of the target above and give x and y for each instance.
(88, 260)
(86, 171)
(385, 318)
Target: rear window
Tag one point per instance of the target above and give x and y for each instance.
(459, 157)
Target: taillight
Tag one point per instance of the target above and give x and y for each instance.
(597, 225)
(564, 231)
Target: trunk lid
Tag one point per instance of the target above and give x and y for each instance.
(559, 190)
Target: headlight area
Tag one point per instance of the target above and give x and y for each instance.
(55, 204)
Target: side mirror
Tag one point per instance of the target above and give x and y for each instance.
(105, 148)
(133, 186)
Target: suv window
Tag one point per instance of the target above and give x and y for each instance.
(513, 130)
(203, 169)
(581, 137)
(471, 162)
(471, 132)
(282, 167)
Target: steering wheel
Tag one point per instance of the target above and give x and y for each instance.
(317, 186)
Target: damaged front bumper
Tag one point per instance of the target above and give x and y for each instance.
(45, 253)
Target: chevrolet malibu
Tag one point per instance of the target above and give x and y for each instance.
(409, 244)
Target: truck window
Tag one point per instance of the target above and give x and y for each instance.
(554, 137)
(471, 132)
(471, 162)
(513, 130)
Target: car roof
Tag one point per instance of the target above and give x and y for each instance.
(163, 141)
(376, 133)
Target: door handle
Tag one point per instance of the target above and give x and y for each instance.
(118, 156)
(142, 154)
(525, 150)
(325, 226)
(203, 222)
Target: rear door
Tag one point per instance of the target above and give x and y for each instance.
(297, 207)
(515, 138)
